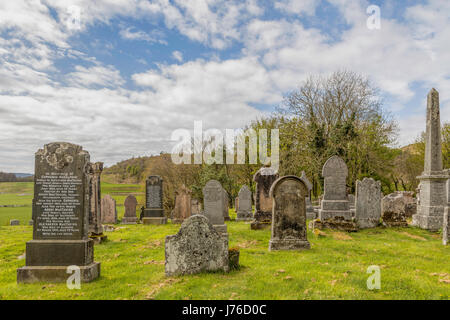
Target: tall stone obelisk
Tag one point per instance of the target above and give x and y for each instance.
(430, 211)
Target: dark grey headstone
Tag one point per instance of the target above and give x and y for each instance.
(60, 216)
(289, 214)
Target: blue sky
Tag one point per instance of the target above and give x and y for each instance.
(118, 77)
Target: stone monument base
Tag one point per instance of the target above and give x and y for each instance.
(129, 220)
(288, 244)
(32, 274)
(395, 224)
(431, 223)
(154, 220)
(153, 213)
(259, 225)
(336, 224)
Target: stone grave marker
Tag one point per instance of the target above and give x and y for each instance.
(196, 248)
(95, 202)
(244, 204)
(213, 205)
(109, 210)
(154, 207)
(430, 211)
(196, 207)
(226, 212)
(130, 210)
(289, 214)
(183, 208)
(264, 178)
(334, 212)
(60, 217)
(368, 203)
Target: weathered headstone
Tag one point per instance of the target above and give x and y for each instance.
(393, 210)
(446, 222)
(226, 211)
(430, 212)
(289, 195)
(196, 207)
(182, 209)
(264, 179)
(368, 203)
(334, 210)
(196, 248)
(310, 213)
(95, 202)
(154, 206)
(14, 222)
(213, 205)
(130, 205)
(244, 204)
(109, 210)
(60, 215)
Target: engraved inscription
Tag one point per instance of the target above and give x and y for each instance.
(58, 205)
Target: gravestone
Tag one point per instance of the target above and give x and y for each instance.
(244, 204)
(393, 210)
(14, 222)
(109, 210)
(213, 205)
(289, 195)
(182, 209)
(130, 210)
(95, 202)
(310, 213)
(196, 248)
(264, 179)
(226, 212)
(368, 203)
(60, 217)
(154, 207)
(334, 209)
(196, 207)
(446, 222)
(430, 211)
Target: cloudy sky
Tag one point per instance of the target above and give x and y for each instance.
(118, 76)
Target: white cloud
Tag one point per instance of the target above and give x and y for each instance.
(113, 123)
(177, 55)
(97, 75)
(297, 6)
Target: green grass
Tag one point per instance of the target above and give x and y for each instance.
(414, 265)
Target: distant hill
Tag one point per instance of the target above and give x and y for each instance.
(15, 177)
(23, 175)
(133, 170)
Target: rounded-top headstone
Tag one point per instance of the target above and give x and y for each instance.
(289, 214)
(335, 166)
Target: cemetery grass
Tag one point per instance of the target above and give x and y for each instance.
(413, 262)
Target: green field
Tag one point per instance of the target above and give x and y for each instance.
(413, 262)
